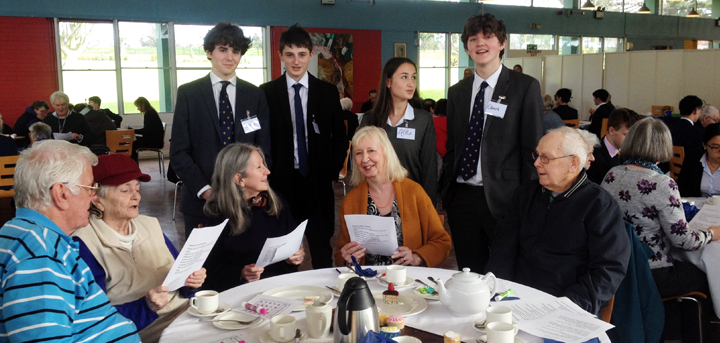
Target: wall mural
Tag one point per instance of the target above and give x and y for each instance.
(334, 53)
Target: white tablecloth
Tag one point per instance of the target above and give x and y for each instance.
(436, 319)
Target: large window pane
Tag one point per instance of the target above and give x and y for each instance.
(254, 76)
(189, 50)
(569, 45)
(592, 45)
(703, 44)
(253, 58)
(613, 44)
(80, 85)
(543, 42)
(144, 45)
(610, 5)
(681, 8)
(148, 83)
(87, 45)
(512, 2)
(549, 3)
(432, 83)
(185, 76)
(432, 49)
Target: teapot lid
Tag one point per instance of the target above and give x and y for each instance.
(466, 275)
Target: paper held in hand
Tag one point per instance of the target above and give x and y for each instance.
(193, 255)
(376, 234)
(281, 248)
(708, 216)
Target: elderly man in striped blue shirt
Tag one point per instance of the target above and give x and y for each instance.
(47, 291)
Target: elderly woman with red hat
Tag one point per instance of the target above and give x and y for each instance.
(128, 253)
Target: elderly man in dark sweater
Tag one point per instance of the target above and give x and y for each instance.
(563, 235)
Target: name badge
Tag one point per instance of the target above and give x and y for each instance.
(316, 127)
(251, 124)
(406, 133)
(496, 109)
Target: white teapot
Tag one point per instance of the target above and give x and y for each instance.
(467, 294)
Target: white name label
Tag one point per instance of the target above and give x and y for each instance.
(406, 133)
(251, 124)
(496, 109)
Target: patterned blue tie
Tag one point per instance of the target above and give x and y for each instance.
(471, 146)
(227, 121)
(300, 133)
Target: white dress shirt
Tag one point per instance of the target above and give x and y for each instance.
(407, 116)
(477, 82)
(217, 87)
(304, 97)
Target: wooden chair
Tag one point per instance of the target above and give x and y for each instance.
(161, 156)
(677, 161)
(120, 141)
(606, 311)
(603, 131)
(692, 296)
(7, 174)
(658, 110)
(574, 123)
(343, 172)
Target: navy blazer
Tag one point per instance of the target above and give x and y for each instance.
(603, 112)
(602, 164)
(196, 135)
(507, 144)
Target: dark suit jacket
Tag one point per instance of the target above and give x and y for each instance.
(507, 143)
(366, 106)
(685, 134)
(690, 178)
(196, 136)
(152, 131)
(566, 112)
(75, 123)
(602, 164)
(326, 151)
(7, 146)
(601, 113)
(100, 123)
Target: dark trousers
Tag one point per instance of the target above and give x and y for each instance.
(472, 226)
(681, 318)
(318, 207)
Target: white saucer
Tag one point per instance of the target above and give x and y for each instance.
(232, 315)
(222, 308)
(483, 339)
(408, 282)
(406, 339)
(267, 337)
(481, 321)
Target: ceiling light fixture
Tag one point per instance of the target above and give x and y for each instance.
(588, 6)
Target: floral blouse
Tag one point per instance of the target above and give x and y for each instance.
(651, 203)
(382, 260)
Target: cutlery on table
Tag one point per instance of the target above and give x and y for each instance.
(333, 288)
(241, 322)
(433, 280)
(481, 325)
(420, 281)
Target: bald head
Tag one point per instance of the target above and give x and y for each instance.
(709, 115)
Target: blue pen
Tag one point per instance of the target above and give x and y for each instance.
(338, 270)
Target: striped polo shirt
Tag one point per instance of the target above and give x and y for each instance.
(47, 292)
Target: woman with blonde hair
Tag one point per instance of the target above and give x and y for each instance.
(241, 194)
(382, 189)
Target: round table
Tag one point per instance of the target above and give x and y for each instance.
(435, 319)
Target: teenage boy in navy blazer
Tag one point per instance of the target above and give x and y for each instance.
(494, 123)
(212, 112)
(303, 173)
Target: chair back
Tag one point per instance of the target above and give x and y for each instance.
(120, 141)
(676, 161)
(603, 131)
(7, 175)
(606, 311)
(659, 110)
(574, 123)
(343, 172)
(164, 129)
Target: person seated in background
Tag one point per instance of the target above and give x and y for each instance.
(709, 115)
(128, 254)
(563, 234)
(39, 132)
(467, 73)
(650, 201)
(63, 120)
(429, 105)
(352, 118)
(603, 108)
(518, 68)
(48, 291)
(607, 154)
(591, 141)
(701, 178)
(33, 114)
(683, 131)
(562, 98)
(98, 121)
(7, 143)
(94, 102)
(255, 212)
(551, 120)
(383, 189)
(370, 104)
(440, 122)
(153, 133)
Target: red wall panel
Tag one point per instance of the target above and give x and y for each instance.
(28, 67)
(367, 59)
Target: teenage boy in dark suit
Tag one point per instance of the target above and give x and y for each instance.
(309, 142)
(212, 112)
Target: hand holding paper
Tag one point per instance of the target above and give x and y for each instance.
(376, 234)
(281, 248)
(193, 255)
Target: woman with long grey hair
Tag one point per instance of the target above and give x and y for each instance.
(255, 213)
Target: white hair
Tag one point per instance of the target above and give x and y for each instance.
(46, 163)
(590, 138)
(346, 104)
(59, 95)
(708, 111)
(573, 144)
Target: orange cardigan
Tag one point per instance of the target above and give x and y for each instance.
(423, 232)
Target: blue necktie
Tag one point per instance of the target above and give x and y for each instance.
(471, 146)
(227, 121)
(300, 133)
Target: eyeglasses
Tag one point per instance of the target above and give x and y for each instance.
(713, 148)
(91, 189)
(545, 160)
